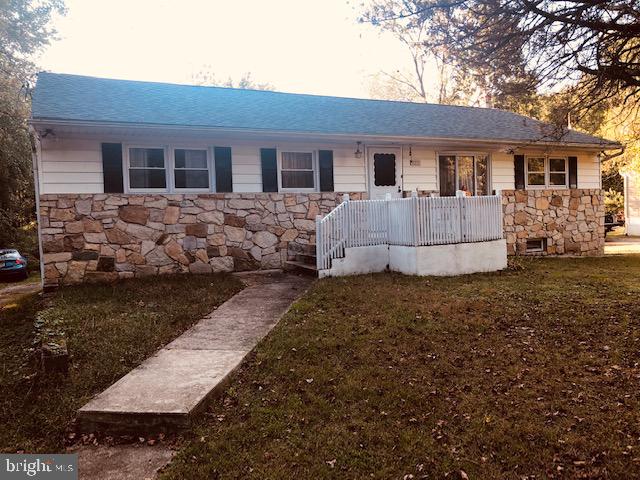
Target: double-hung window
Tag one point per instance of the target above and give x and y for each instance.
(558, 171)
(191, 169)
(297, 170)
(467, 173)
(546, 171)
(147, 169)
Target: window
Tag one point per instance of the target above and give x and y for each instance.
(191, 169)
(384, 169)
(297, 170)
(147, 168)
(535, 171)
(535, 245)
(557, 171)
(543, 171)
(469, 173)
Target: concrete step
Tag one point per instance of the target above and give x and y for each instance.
(302, 267)
(306, 258)
(168, 389)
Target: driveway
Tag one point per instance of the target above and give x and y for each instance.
(617, 244)
(9, 292)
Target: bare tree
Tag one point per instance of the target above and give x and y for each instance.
(591, 45)
(207, 76)
(434, 74)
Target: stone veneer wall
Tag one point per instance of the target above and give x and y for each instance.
(104, 237)
(571, 221)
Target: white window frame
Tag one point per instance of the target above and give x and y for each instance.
(167, 169)
(314, 164)
(547, 172)
(566, 171)
(474, 154)
(209, 157)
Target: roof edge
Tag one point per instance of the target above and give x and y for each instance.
(605, 145)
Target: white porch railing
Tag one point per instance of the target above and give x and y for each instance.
(407, 221)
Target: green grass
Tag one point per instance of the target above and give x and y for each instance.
(522, 374)
(110, 330)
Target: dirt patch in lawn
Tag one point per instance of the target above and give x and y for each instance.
(522, 374)
(109, 330)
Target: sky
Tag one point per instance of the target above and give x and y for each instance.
(302, 46)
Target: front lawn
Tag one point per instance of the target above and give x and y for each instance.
(530, 373)
(109, 329)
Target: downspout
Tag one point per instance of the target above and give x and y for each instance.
(35, 141)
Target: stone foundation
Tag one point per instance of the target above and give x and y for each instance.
(105, 237)
(568, 221)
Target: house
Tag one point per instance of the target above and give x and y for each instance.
(632, 203)
(140, 178)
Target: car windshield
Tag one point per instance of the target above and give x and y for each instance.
(9, 253)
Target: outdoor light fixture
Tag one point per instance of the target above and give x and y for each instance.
(358, 152)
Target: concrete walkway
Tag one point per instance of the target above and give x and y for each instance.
(167, 389)
(122, 462)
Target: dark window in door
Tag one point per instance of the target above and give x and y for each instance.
(384, 169)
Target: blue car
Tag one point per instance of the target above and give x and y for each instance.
(12, 264)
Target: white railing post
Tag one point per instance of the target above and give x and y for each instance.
(319, 243)
(344, 226)
(414, 217)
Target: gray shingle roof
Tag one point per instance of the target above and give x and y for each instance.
(89, 99)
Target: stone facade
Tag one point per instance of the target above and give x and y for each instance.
(104, 237)
(569, 222)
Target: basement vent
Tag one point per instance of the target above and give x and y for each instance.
(536, 245)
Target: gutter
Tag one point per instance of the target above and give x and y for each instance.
(346, 136)
(35, 139)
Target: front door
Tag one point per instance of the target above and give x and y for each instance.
(384, 172)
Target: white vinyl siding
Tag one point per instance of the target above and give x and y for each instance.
(75, 166)
(348, 171)
(246, 168)
(70, 166)
(502, 171)
(423, 174)
(588, 171)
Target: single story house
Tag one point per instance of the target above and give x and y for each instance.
(140, 178)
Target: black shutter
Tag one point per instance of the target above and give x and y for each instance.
(112, 167)
(325, 159)
(573, 172)
(269, 162)
(518, 163)
(222, 159)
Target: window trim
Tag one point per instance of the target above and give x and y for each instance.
(466, 153)
(314, 164)
(127, 179)
(209, 169)
(547, 172)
